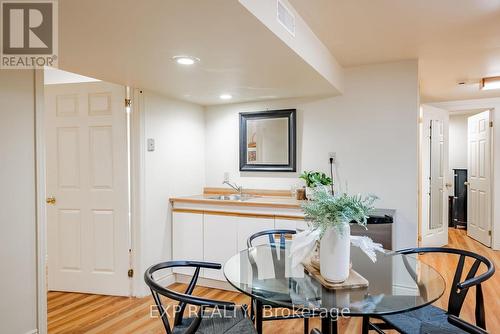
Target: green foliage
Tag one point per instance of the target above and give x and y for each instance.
(338, 211)
(314, 179)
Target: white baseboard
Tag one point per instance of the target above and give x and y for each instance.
(172, 278)
(206, 282)
(166, 280)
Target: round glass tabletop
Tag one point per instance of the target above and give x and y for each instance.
(397, 282)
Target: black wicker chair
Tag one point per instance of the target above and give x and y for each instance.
(225, 318)
(431, 319)
(256, 309)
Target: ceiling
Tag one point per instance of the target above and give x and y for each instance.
(53, 76)
(466, 112)
(454, 40)
(133, 43)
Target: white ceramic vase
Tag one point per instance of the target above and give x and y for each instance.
(335, 254)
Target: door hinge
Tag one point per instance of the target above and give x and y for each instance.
(131, 273)
(128, 103)
(489, 233)
(491, 124)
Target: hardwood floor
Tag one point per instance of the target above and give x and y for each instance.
(81, 313)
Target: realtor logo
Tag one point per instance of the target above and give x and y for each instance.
(29, 34)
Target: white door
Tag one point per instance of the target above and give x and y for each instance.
(87, 175)
(479, 178)
(434, 159)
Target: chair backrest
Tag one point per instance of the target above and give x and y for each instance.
(459, 289)
(271, 234)
(183, 298)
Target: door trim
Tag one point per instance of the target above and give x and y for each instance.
(137, 188)
(41, 217)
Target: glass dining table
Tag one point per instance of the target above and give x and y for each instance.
(396, 283)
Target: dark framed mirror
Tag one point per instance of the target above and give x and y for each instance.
(268, 141)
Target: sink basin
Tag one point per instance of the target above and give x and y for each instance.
(231, 197)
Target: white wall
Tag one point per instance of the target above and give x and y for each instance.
(457, 145)
(18, 289)
(373, 128)
(175, 168)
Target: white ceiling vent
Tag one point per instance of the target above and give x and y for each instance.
(285, 17)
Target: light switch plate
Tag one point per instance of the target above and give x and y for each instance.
(151, 144)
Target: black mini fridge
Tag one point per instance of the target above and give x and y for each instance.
(459, 204)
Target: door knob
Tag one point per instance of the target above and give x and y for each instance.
(51, 200)
(448, 185)
(466, 183)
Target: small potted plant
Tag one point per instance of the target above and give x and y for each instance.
(331, 217)
(314, 180)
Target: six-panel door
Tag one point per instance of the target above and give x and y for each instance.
(87, 181)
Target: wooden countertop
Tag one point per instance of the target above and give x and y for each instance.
(254, 201)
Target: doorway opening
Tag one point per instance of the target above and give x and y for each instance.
(87, 175)
(470, 176)
(456, 174)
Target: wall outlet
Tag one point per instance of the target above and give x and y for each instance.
(333, 156)
(226, 176)
(151, 144)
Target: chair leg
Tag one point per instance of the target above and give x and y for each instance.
(306, 325)
(366, 325)
(326, 325)
(252, 310)
(258, 316)
(335, 327)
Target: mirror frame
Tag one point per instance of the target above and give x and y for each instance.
(291, 166)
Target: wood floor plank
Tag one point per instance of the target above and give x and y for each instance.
(78, 313)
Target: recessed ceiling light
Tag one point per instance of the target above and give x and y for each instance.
(225, 96)
(489, 83)
(185, 60)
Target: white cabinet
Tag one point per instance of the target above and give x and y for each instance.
(290, 224)
(220, 242)
(187, 238)
(250, 225)
(211, 237)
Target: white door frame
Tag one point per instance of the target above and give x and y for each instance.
(136, 140)
(493, 104)
(137, 187)
(41, 217)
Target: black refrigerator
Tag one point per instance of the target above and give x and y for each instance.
(459, 203)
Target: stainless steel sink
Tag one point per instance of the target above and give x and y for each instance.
(231, 197)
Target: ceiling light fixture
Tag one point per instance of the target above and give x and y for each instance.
(225, 96)
(489, 83)
(185, 60)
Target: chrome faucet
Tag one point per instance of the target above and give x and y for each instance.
(236, 187)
